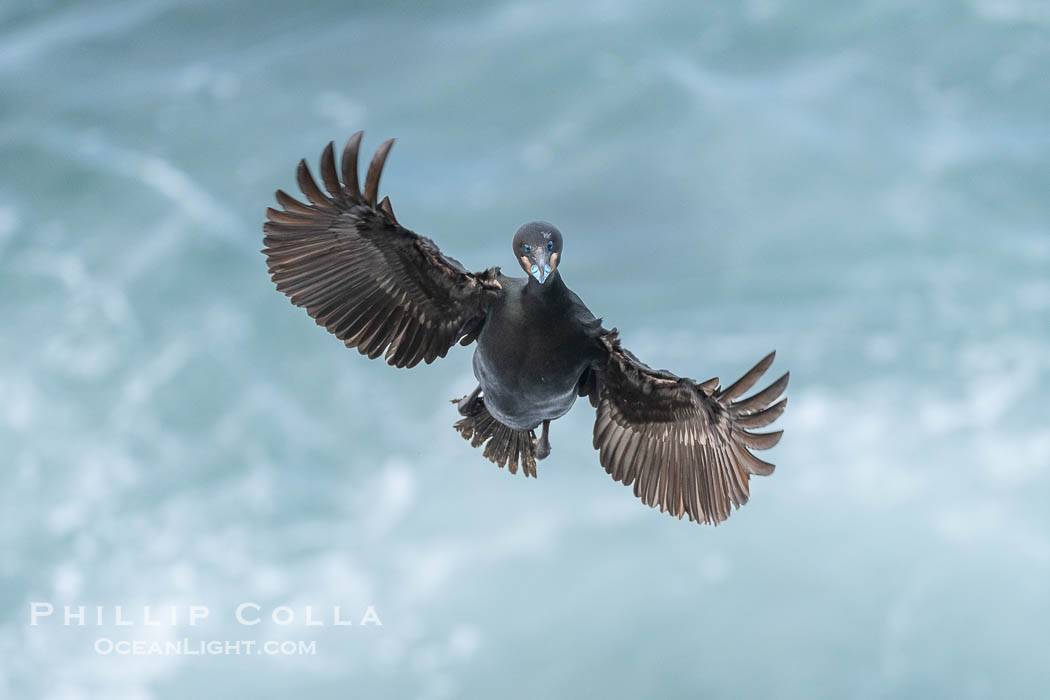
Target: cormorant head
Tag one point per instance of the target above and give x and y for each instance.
(537, 247)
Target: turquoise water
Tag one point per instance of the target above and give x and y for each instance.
(862, 186)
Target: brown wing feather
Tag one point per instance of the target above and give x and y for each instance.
(682, 444)
(371, 282)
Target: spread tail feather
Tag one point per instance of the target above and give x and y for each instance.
(506, 446)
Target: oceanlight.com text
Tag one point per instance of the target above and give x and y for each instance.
(104, 646)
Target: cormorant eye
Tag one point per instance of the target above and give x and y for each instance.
(528, 248)
(550, 245)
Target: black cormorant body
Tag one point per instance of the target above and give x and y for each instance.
(537, 343)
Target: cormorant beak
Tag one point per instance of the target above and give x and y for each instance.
(541, 266)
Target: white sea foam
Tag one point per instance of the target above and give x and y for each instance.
(72, 26)
(344, 113)
(156, 173)
(8, 224)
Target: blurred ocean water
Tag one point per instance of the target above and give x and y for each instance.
(862, 186)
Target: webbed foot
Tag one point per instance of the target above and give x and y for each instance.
(465, 406)
(543, 445)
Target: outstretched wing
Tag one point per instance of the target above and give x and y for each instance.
(684, 445)
(374, 284)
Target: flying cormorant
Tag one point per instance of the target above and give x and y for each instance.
(382, 289)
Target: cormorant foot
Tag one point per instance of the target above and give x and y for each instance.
(465, 406)
(543, 444)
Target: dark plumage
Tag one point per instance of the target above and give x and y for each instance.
(685, 445)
